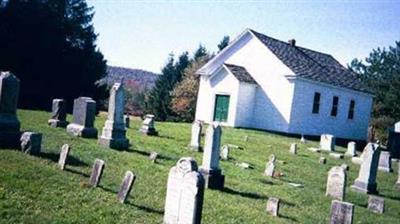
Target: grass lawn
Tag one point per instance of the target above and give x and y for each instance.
(34, 190)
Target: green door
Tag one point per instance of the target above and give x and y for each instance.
(221, 108)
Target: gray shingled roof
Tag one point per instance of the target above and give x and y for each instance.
(240, 73)
(312, 65)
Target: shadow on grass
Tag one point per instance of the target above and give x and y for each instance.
(163, 136)
(286, 203)
(143, 153)
(76, 172)
(147, 154)
(107, 189)
(397, 198)
(264, 181)
(289, 218)
(244, 194)
(146, 209)
(72, 161)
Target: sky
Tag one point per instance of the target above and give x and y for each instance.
(141, 34)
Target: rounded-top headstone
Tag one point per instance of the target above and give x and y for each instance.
(186, 165)
(9, 90)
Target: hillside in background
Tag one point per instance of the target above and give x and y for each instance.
(133, 78)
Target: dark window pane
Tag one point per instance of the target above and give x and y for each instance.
(351, 109)
(335, 103)
(317, 98)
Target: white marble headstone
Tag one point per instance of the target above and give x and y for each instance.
(351, 149)
(336, 184)
(195, 140)
(63, 156)
(97, 172)
(185, 192)
(327, 142)
(341, 212)
(126, 186)
(212, 147)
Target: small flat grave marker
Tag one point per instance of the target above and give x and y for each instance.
(376, 204)
(97, 172)
(270, 166)
(273, 206)
(126, 186)
(341, 212)
(322, 160)
(293, 148)
(153, 156)
(224, 155)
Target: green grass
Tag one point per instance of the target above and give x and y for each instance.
(34, 190)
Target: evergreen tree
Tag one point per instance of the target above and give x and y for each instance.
(50, 46)
(224, 42)
(381, 73)
(158, 100)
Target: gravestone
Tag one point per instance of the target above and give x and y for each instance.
(224, 152)
(376, 204)
(366, 181)
(9, 123)
(148, 125)
(397, 185)
(126, 186)
(336, 184)
(303, 140)
(31, 143)
(341, 212)
(214, 179)
(63, 156)
(127, 121)
(327, 142)
(293, 148)
(270, 166)
(58, 114)
(246, 138)
(84, 113)
(385, 162)
(394, 142)
(185, 193)
(153, 156)
(358, 160)
(114, 130)
(273, 206)
(371, 134)
(322, 160)
(195, 140)
(97, 172)
(351, 149)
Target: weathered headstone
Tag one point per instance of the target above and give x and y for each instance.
(246, 138)
(126, 186)
(351, 149)
(58, 114)
(303, 140)
(127, 121)
(214, 179)
(114, 130)
(327, 142)
(366, 181)
(185, 193)
(9, 123)
(385, 162)
(270, 166)
(153, 156)
(293, 148)
(336, 184)
(31, 143)
(224, 152)
(376, 204)
(341, 212)
(97, 172)
(195, 140)
(148, 127)
(322, 160)
(371, 134)
(63, 156)
(84, 113)
(273, 206)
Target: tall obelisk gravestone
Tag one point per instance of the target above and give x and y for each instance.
(210, 168)
(114, 129)
(9, 123)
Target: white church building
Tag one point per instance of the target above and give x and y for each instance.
(263, 83)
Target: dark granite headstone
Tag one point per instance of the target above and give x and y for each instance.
(97, 172)
(341, 212)
(394, 144)
(126, 186)
(9, 123)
